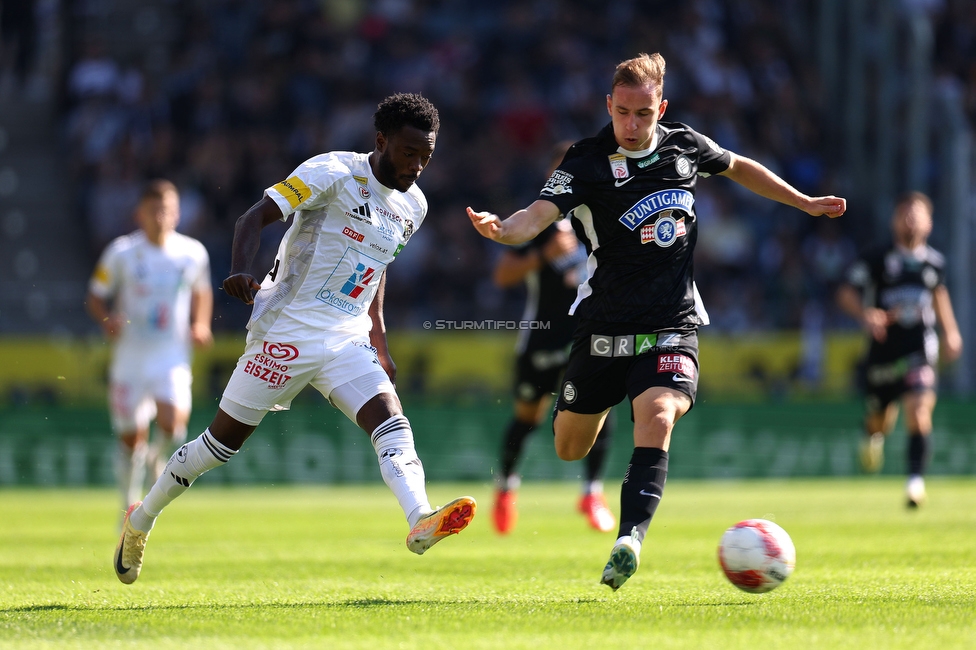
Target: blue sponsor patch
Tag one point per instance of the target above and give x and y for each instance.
(657, 202)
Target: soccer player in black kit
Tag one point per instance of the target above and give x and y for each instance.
(898, 294)
(631, 193)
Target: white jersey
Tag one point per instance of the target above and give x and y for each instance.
(348, 227)
(152, 287)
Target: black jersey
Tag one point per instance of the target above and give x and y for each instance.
(550, 293)
(901, 281)
(636, 217)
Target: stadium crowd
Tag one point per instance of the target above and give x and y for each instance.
(247, 89)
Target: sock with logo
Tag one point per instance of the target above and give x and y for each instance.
(515, 437)
(918, 453)
(597, 457)
(400, 466)
(185, 466)
(130, 471)
(642, 489)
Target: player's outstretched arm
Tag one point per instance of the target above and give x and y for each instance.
(757, 178)
(518, 228)
(240, 283)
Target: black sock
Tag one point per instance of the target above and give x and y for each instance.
(918, 453)
(642, 489)
(515, 437)
(598, 453)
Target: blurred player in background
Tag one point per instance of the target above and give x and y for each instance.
(151, 295)
(318, 319)
(552, 266)
(630, 190)
(898, 295)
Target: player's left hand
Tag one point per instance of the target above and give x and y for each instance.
(201, 335)
(831, 206)
(242, 286)
(951, 346)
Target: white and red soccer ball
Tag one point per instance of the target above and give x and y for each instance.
(756, 555)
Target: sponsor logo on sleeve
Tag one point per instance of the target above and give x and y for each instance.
(559, 182)
(294, 190)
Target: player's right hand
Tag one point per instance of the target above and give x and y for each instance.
(486, 223)
(242, 286)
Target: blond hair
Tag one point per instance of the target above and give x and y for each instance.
(908, 198)
(640, 71)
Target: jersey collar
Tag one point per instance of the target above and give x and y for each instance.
(643, 152)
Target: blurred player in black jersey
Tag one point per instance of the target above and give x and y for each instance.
(631, 193)
(898, 295)
(552, 266)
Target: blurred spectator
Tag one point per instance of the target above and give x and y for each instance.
(246, 89)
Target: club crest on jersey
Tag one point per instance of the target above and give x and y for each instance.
(664, 231)
(618, 165)
(407, 230)
(655, 203)
(682, 165)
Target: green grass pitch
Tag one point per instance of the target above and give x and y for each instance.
(326, 567)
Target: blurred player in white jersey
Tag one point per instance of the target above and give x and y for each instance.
(151, 295)
(318, 319)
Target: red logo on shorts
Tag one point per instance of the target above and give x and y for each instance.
(676, 363)
(280, 351)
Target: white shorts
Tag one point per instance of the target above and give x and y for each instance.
(269, 375)
(134, 391)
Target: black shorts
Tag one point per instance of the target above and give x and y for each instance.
(885, 382)
(603, 369)
(537, 373)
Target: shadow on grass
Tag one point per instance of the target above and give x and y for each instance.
(358, 603)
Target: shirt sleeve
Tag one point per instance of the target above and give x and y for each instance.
(312, 185)
(105, 278)
(712, 159)
(563, 188)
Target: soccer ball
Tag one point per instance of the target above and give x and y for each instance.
(756, 555)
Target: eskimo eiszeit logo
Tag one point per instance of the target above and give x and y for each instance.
(281, 351)
(657, 202)
(270, 366)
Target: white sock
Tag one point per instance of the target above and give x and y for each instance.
(592, 487)
(185, 466)
(401, 468)
(130, 472)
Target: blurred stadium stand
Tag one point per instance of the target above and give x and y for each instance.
(863, 98)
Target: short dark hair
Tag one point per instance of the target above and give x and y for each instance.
(157, 188)
(405, 109)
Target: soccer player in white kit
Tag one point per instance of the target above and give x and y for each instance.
(151, 294)
(318, 319)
